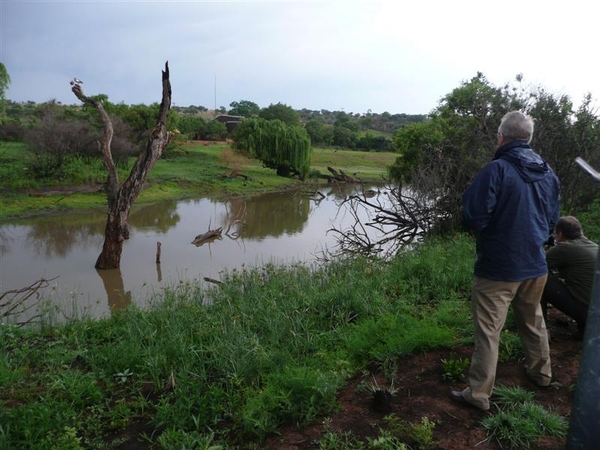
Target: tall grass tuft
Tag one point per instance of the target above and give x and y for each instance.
(520, 421)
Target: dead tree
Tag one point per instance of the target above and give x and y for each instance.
(121, 197)
(383, 224)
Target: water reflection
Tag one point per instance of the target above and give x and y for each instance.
(276, 227)
(160, 217)
(342, 191)
(273, 214)
(158, 273)
(55, 236)
(118, 298)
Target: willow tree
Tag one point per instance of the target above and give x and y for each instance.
(121, 196)
(285, 148)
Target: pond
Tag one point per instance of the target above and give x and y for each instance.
(280, 228)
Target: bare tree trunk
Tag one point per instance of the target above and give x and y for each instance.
(121, 198)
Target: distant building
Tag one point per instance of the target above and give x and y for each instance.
(230, 121)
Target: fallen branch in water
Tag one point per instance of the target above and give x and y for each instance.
(13, 302)
(340, 175)
(209, 236)
(384, 223)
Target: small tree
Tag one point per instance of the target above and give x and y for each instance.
(192, 126)
(4, 83)
(319, 132)
(440, 156)
(284, 148)
(215, 130)
(244, 108)
(121, 197)
(280, 111)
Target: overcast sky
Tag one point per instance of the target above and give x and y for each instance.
(396, 56)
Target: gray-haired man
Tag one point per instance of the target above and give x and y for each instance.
(512, 205)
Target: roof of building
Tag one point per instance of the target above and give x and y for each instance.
(228, 118)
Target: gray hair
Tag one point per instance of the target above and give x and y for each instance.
(516, 126)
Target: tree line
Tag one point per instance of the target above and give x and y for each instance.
(438, 153)
(365, 132)
(55, 132)
(439, 156)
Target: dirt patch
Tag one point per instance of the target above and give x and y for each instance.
(423, 392)
(66, 190)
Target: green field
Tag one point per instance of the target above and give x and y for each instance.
(364, 165)
(186, 169)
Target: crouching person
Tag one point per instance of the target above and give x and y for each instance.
(572, 263)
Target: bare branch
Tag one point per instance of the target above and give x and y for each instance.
(104, 145)
(16, 301)
(384, 223)
(159, 139)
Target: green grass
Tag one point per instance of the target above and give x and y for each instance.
(13, 167)
(268, 347)
(364, 165)
(206, 168)
(590, 220)
(520, 421)
(377, 133)
(225, 366)
(187, 169)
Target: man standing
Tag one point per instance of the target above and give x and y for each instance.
(512, 206)
(574, 259)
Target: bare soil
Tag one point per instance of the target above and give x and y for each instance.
(423, 392)
(66, 190)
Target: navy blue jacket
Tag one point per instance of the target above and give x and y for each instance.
(512, 205)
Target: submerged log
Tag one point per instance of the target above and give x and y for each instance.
(208, 237)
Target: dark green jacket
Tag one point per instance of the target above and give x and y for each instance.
(575, 262)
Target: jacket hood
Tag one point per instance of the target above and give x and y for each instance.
(528, 164)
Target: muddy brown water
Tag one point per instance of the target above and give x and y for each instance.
(280, 228)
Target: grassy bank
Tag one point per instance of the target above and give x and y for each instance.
(267, 347)
(190, 168)
(223, 368)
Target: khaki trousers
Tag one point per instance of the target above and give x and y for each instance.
(490, 301)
